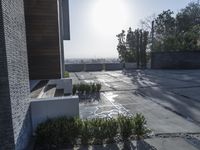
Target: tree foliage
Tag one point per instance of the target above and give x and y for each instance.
(179, 32)
(132, 46)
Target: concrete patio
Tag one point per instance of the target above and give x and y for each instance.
(169, 99)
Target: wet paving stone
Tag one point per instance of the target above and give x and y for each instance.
(167, 98)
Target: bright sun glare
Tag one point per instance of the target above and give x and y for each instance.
(109, 16)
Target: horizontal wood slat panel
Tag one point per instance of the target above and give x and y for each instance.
(42, 38)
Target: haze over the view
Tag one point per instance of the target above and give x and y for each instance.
(95, 23)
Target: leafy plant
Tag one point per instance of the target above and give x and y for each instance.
(81, 88)
(87, 88)
(99, 128)
(86, 132)
(111, 129)
(66, 74)
(56, 133)
(74, 90)
(98, 87)
(94, 88)
(140, 129)
(126, 126)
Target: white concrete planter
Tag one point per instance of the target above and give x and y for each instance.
(43, 109)
(65, 84)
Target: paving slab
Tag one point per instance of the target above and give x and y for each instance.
(177, 143)
(85, 76)
(122, 86)
(186, 107)
(167, 98)
(171, 144)
(197, 136)
(159, 119)
(106, 78)
(192, 93)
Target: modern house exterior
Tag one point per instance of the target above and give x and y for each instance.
(31, 47)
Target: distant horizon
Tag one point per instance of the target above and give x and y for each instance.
(94, 25)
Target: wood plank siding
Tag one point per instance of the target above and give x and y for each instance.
(43, 39)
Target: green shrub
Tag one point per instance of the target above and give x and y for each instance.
(63, 131)
(140, 129)
(126, 124)
(94, 88)
(81, 88)
(99, 128)
(111, 129)
(58, 132)
(66, 74)
(85, 88)
(74, 90)
(86, 132)
(98, 87)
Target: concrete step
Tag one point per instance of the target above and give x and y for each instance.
(36, 91)
(49, 91)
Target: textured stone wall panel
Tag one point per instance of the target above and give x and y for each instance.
(17, 70)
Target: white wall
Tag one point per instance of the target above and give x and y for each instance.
(43, 109)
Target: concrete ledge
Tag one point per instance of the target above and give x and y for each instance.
(74, 67)
(113, 66)
(43, 109)
(130, 66)
(93, 67)
(65, 84)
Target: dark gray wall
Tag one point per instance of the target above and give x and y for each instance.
(94, 67)
(15, 127)
(113, 66)
(175, 60)
(6, 131)
(74, 67)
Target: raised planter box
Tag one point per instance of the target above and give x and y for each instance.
(65, 84)
(175, 60)
(43, 109)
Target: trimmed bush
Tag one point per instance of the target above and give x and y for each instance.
(66, 74)
(85, 88)
(58, 133)
(74, 89)
(126, 124)
(86, 132)
(98, 87)
(81, 88)
(140, 129)
(94, 88)
(111, 129)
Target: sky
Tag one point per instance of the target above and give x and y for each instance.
(94, 24)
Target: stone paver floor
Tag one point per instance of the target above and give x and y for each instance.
(169, 99)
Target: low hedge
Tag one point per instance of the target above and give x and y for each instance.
(64, 131)
(66, 74)
(86, 88)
